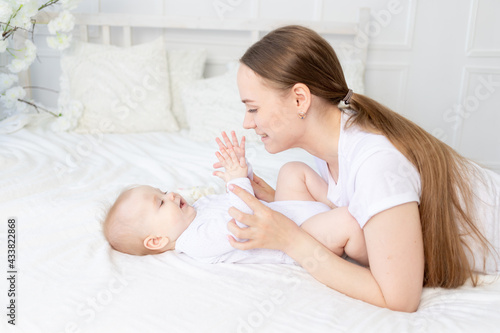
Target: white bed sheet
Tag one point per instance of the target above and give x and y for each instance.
(70, 280)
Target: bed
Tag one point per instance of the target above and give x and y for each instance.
(56, 185)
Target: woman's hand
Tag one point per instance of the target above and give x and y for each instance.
(266, 228)
(262, 190)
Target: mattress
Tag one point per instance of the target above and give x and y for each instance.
(57, 186)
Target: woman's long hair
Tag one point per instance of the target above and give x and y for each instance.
(295, 54)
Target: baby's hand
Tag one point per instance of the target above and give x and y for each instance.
(239, 148)
(234, 167)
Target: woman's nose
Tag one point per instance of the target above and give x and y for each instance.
(248, 122)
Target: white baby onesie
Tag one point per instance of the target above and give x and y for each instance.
(206, 237)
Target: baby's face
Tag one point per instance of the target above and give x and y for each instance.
(163, 214)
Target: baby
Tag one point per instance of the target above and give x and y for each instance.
(144, 220)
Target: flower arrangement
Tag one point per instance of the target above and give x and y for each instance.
(18, 17)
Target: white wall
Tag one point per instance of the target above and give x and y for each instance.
(436, 62)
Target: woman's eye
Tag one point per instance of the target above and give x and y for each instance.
(161, 203)
(252, 110)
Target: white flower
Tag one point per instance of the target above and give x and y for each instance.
(18, 65)
(3, 45)
(65, 22)
(59, 41)
(5, 11)
(6, 81)
(24, 60)
(23, 17)
(20, 14)
(11, 96)
(61, 124)
(29, 51)
(73, 109)
(69, 4)
(71, 112)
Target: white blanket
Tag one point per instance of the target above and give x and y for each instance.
(69, 280)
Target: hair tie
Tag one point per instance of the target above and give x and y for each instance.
(347, 98)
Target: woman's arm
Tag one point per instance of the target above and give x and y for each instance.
(393, 239)
(396, 254)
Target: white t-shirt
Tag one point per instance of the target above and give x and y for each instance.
(375, 176)
(205, 238)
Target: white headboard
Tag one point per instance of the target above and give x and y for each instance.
(225, 39)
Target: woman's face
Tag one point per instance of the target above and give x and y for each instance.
(273, 115)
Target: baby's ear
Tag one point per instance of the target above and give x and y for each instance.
(156, 243)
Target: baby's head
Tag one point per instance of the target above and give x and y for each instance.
(144, 220)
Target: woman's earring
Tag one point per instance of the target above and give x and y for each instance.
(302, 115)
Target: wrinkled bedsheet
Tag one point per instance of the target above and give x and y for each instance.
(57, 186)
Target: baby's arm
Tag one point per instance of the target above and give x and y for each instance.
(262, 190)
(234, 166)
(238, 147)
(235, 172)
(339, 232)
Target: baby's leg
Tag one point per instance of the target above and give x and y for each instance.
(298, 181)
(339, 232)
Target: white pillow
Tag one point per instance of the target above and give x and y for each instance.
(122, 89)
(213, 105)
(184, 67)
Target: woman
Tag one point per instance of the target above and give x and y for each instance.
(430, 217)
